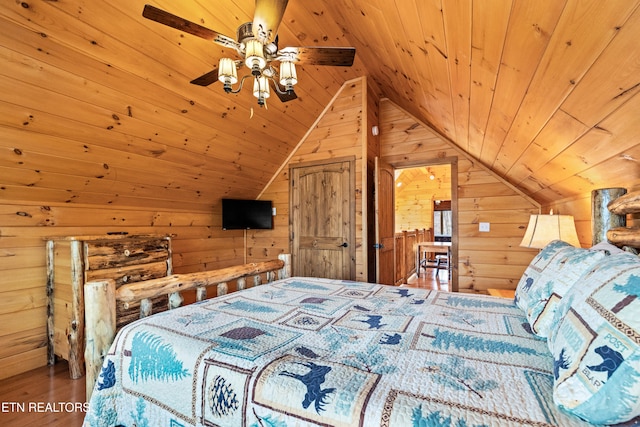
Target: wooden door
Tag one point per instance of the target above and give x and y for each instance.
(385, 227)
(323, 220)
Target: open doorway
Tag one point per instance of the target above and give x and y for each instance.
(423, 206)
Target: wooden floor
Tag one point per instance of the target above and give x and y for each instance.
(42, 397)
(430, 278)
(48, 397)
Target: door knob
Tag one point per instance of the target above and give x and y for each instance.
(344, 245)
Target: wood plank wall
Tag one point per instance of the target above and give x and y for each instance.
(486, 260)
(199, 243)
(414, 198)
(580, 208)
(338, 133)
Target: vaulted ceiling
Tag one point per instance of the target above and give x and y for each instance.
(545, 93)
(93, 97)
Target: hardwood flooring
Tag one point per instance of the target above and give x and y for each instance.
(430, 278)
(47, 396)
(44, 396)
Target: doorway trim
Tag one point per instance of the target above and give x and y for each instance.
(453, 163)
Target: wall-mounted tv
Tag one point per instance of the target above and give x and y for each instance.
(246, 214)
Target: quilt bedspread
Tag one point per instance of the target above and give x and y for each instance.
(307, 352)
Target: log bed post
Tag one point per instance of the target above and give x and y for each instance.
(100, 316)
(75, 334)
(603, 220)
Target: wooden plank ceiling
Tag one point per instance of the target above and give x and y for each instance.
(96, 105)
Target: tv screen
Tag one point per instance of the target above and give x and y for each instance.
(246, 214)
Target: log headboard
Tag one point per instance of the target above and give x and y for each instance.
(623, 205)
(101, 299)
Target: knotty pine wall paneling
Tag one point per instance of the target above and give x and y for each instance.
(485, 260)
(338, 133)
(416, 195)
(580, 208)
(199, 243)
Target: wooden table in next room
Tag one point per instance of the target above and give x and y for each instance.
(436, 247)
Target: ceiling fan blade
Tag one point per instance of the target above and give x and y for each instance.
(267, 18)
(206, 79)
(173, 21)
(332, 56)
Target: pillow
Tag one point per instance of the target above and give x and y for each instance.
(607, 248)
(563, 270)
(533, 271)
(596, 343)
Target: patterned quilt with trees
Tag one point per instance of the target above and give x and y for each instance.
(317, 352)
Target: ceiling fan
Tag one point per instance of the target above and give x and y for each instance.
(257, 48)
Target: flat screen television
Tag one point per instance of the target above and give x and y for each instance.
(246, 214)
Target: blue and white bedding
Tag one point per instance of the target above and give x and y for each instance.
(318, 352)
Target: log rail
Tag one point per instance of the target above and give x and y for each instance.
(624, 205)
(101, 299)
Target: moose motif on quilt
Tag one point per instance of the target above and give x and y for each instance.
(313, 380)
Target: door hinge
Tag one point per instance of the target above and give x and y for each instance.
(378, 246)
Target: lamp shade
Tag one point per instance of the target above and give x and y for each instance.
(254, 53)
(227, 72)
(543, 229)
(261, 88)
(288, 75)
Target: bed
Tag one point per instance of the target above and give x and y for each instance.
(303, 351)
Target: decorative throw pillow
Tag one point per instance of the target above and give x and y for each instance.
(563, 270)
(596, 343)
(523, 298)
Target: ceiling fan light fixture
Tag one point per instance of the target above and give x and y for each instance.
(227, 73)
(256, 46)
(254, 56)
(261, 89)
(288, 75)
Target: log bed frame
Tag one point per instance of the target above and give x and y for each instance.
(101, 299)
(628, 204)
